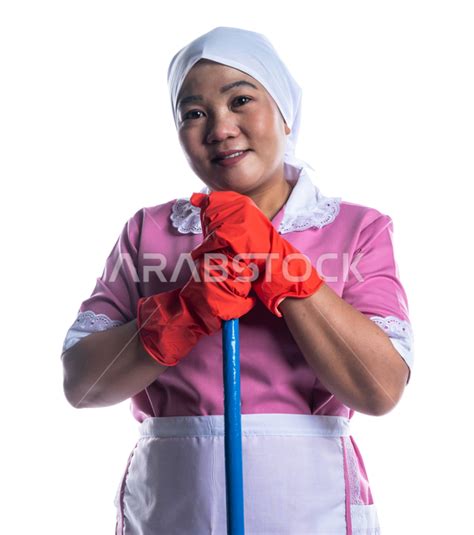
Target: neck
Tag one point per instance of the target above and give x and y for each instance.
(272, 198)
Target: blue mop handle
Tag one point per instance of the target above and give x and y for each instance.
(233, 429)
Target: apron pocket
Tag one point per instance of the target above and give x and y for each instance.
(294, 484)
(169, 487)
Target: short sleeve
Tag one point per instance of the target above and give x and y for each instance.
(114, 299)
(373, 286)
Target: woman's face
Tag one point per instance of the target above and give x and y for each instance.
(214, 118)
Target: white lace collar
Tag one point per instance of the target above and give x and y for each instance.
(306, 207)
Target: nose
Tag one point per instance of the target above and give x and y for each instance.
(220, 126)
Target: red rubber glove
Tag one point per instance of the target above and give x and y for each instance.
(233, 223)
(170, 323)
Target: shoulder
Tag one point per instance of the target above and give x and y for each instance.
(156, 216)
(144, 224)
(308, 208)
(361, 218)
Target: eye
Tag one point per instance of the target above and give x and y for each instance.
(241, 97)
(188, 115)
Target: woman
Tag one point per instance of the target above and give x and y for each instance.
(319, 339)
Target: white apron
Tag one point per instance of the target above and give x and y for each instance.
(297, 470)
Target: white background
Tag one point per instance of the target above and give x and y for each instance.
(87, 139)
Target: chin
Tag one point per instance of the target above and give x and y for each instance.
(240, 185)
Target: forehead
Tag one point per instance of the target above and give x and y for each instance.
(207, 75)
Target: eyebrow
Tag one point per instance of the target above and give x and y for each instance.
(223, 89)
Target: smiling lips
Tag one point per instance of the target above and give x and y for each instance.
(228, 154)
(230, 157)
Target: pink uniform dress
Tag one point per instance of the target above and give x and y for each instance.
(303, 472)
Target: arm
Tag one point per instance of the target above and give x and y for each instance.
(108, 367)
(352, 356)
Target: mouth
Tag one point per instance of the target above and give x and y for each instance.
(231, 158)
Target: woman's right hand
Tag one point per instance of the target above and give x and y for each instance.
(171, 323)
(233, 223)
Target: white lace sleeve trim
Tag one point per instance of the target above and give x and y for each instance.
(306, 207)
(401, 335)
(88, 322)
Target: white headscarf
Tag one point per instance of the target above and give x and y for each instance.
(252, 53)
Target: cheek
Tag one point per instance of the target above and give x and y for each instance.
(189, 144)
(262, 123)
(267, 130)
(183, 141)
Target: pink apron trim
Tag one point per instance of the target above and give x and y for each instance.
(365, 491)
(348, 490)
(120, 525)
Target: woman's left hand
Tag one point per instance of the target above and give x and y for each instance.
(232, 222)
